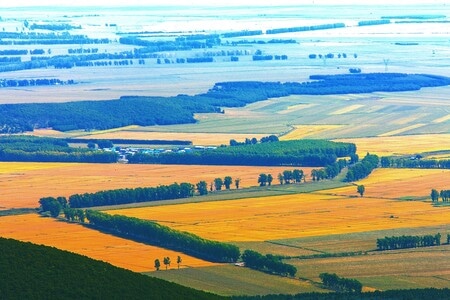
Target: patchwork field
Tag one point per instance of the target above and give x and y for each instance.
(23, 184)
(302, 215)
(76, 238)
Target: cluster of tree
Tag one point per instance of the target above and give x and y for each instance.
(13, 52)
(186, 60)
(341, 284)
(33, 82)
(414, 163)
(267, 263)
(167, 262)
(146, 111)
(354, 70)
(252, 141)
(53, 27)
(290, 176)
(8, 60)
(329, 172)
(53, 205)
(31, 271)
(373, 22)
(444, 194)
(29, 148)
(82, 50)
(269, 57)
(295, 153)
(163, 236)
(177, 45)
(410, 294)
(101, 143)
(363, 168)
(37, 38)
(124, 196)
(305, 28)
(330, 55)
(408, 241)
(241, 33)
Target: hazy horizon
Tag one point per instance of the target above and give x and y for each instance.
(43, 3)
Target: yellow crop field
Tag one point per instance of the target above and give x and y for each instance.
(76, 238)
(303, 131)
(399, 145)
(23, 184)
(398, 183)
(291, 216)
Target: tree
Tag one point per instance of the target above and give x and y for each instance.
(166, 261)
(218, 182)
(288, 176)
(157, 264)
(179, 260)
(297, 175)
(237, 181)
(262, 179)
(434, 195)
(280, 178)
(202, 188)
(269, 179)
(227, 182)
(361, 189)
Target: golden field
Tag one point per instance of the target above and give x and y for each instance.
(400, 145)
(291, 216)
(400, 183)
(76, 238)
(23, 184)
(304, 131)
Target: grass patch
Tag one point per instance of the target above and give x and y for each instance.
(230, 280)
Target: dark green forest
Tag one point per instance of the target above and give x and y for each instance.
(30, 271)
(296, 152)
(39, 149)
(146, 111)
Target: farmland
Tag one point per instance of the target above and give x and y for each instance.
(79, 239)
(321, 226)
(23, 184)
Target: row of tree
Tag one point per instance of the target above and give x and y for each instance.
(415, 162)
(341, 284)
(305, 28)
(166, 262)
(294, 153)
(267, 263)
(163, 236)
(140, 194)
(38, 149)
(444, 194)
(34, 82)
(252, 141)
(408, 241)
(363, 168)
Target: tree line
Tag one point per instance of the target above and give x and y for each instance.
(135, 195)
(295, 153)
(267, 263)
(163, 236)
(340, 284)
(38, 149)
(443, 194)
(408, 241)
(363, 168)
(34, 82)
(415, 162)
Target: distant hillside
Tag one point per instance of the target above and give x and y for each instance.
(147, 111)
(31, 271)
